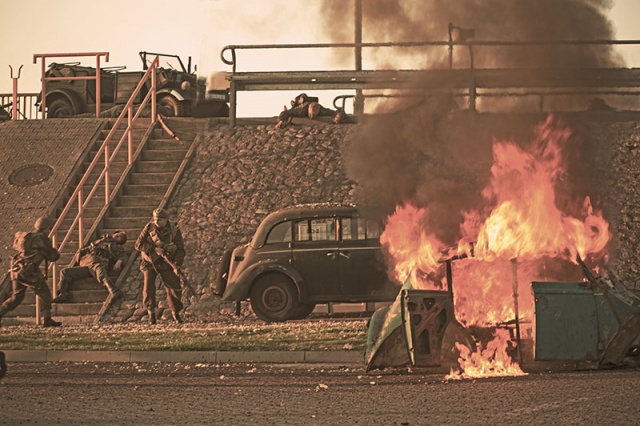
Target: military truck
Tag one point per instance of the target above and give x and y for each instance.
(179, 92)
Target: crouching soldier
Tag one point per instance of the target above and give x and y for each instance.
(158, 240)
(33, 248)
(96, 260)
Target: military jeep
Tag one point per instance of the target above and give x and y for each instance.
(179, 92)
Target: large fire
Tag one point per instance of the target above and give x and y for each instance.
(518, 236)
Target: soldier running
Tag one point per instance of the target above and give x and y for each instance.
(160, 237)
(96, 260)
(33, 248)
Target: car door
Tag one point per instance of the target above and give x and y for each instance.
(315, 257)
(363, 271)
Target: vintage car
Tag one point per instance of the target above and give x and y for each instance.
(179, 91)
(304, 255)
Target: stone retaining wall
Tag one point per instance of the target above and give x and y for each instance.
(240, 175)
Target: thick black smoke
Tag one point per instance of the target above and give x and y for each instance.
(433, 153)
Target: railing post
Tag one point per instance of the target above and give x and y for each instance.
(154, 65)
(232, 104)
(98, 86)
(107, 178)
(14, 94)
(54, 270)
(80, 219)
(43, 100)
(129, 138)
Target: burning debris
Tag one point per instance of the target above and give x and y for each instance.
(516, 209)
(518, 234)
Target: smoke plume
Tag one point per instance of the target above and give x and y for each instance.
(433, 153)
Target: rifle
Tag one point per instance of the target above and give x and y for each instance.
(179, 273)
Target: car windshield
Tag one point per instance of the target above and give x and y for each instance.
(281, 233)
(165, 61)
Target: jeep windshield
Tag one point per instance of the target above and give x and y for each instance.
(165, 61)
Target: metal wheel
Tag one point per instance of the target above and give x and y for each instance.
(172, 104)
(60, 108)
(274, 298)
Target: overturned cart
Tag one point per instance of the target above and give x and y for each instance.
(593, 323)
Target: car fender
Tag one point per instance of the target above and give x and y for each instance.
(240, 288)
(70, 95)
(173, 92)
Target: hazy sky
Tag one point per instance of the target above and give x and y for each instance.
(196, 28)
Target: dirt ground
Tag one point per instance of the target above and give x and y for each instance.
(262, 394)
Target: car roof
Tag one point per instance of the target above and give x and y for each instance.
(299, 212)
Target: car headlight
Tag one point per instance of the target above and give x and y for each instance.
(186, 86)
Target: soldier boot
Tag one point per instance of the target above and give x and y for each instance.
(63, 293)
(50, 322)
(152, 316)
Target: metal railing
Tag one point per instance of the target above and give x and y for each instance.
(21, 106)
(45, 79)
(77, 198)
(360, 80)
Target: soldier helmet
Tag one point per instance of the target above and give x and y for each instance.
(122, 234)
(43, 223)
(300, 99)
(160, 213)
(314, 110)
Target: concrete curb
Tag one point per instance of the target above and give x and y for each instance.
(272, 357)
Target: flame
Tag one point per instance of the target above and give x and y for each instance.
(490, 362)
(409, 244)
(510, 239)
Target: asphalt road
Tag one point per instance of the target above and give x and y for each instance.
(303, 394)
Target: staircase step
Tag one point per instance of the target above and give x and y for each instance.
(138, 132)
(151, 201)
(158, 166)
(137, 178)
(123, 211)
(57, 310)
(97, 295)
(147, 189)
(156, 144)
(126, 223)
(163, 154)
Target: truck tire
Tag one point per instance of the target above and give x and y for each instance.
(61, 108)
(172, 104)
(274, 298)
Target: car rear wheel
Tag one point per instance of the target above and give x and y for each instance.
(60, 108)
(274, 298)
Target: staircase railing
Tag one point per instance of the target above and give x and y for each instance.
(163, 203)
(78, 199)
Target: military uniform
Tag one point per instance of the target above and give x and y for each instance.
(95, 260)
(168, 240)
(305, 106)
(26, 273)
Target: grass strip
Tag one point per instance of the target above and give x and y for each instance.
(321, 336)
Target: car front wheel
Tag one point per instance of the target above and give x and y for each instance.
(274, 298)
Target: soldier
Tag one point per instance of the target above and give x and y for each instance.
(33, 248)
(96, 260)
(161, 238)
(307, 106)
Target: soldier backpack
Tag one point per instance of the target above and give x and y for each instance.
(23, 242)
